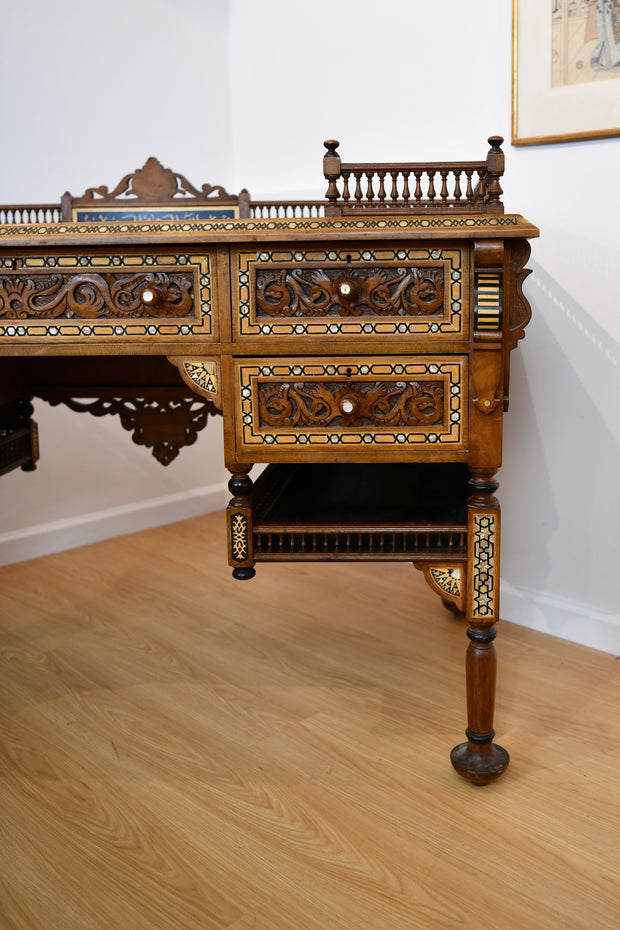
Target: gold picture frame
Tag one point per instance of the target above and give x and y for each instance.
(565, 70)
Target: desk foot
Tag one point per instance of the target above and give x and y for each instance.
(243, 574)
(479, 763)
(452, 607)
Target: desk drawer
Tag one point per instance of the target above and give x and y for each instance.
(358, 407)
(347, 291)
(119, 296)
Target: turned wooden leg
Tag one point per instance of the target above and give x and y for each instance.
(239, 521)
(480, 760)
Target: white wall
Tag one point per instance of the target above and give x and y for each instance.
(396, 80)
(89, 91)
(393, 80)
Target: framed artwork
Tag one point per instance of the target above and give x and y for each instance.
(565, 70)
(131, 212)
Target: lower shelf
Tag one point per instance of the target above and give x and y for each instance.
(360, 511)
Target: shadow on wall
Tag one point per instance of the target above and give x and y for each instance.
(559, 487)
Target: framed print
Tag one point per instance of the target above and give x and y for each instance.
(565, 70)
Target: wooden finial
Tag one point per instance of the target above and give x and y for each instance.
(495, 169)
(331, 170)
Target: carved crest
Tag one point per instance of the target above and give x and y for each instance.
(153, 184)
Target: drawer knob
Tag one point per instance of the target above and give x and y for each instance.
(345, 289)
(149, 296)
(347, 405)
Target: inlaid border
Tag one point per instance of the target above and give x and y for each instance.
(91, 230)
(452, 371)
(54, 330)
(453, 323)
(484, 578)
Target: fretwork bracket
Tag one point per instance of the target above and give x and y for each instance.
(448, 580)
(202, 375)
(164, 421)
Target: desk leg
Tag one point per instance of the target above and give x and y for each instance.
(479, 760)
(239, 519)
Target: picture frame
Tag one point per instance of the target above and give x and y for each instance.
(565, 70)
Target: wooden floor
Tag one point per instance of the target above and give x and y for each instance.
(180, 750)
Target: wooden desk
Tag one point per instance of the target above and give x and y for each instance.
(363, 356)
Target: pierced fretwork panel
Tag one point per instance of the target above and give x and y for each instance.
(162, 423)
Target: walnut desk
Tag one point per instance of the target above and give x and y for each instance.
(363, 355)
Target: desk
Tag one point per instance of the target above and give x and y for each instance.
(364, 358)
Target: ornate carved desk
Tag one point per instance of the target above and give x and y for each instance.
(363, 354)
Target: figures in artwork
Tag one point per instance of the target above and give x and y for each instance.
(606, 54)
(585, 41)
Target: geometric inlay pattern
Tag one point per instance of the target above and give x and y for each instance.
(204, 375)
(448, 579)
(94, 297)
(362, 403)
(239, 536)
(488, 301)
(339, 224)
(351, 292)
(484, 589)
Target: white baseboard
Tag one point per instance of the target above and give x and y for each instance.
(45, 538)
(577, 623)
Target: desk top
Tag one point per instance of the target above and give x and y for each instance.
(462, 226)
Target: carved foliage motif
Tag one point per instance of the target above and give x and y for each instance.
(363, 404)
(91, 296)
(289, 292)
(348, 291)
(341, 404)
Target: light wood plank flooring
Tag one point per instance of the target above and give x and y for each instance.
(183, 751)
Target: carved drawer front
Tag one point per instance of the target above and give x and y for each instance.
(354, 406)
(351, 291)
(126, 297)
